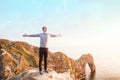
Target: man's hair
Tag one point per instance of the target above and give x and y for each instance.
(44, 27)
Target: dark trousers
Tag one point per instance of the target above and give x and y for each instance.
(43, 52)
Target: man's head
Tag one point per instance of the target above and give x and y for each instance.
(44, 29)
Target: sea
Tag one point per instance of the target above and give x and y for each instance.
(107, 67)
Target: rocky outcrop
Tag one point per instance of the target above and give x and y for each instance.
(18, 57)
(33, 74)
(80, 65)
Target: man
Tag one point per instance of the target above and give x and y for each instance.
(43, 50)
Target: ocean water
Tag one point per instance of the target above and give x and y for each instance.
(107, 67)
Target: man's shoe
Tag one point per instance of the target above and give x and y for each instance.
(41, 73)
(46, 71)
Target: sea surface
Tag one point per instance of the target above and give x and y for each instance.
(107, 67)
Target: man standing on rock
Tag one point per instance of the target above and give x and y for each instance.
(43, 50)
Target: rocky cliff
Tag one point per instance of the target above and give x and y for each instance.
(17, 57)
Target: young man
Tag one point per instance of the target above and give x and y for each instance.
(43, 50)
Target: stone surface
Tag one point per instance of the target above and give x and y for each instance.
(33, 74)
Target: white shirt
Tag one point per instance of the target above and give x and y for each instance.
(43, 38)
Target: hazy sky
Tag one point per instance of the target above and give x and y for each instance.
(87, 26)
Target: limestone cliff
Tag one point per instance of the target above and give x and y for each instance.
(17, 57)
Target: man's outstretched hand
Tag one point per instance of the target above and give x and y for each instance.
(59, 35)
(25, 35)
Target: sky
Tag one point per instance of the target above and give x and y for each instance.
(86, 26)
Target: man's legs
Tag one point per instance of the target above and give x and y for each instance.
(40, 58)
(45, 59)
(43, 52)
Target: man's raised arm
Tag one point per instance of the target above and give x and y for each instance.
(32, 35)
(54, 35)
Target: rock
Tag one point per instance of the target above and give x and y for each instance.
(80, 65)
(33, 74)
(17, 57)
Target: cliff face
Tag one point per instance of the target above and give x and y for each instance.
(16, 57)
